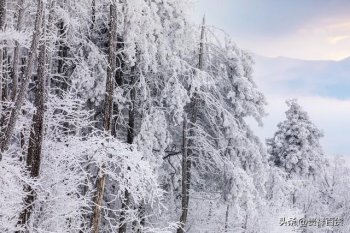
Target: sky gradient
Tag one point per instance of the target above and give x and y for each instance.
(304, 29)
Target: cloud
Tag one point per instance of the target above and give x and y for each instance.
(270, 16)
(337, 39)
(304, 29)
(321, 78)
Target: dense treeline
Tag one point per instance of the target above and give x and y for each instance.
(124, 116)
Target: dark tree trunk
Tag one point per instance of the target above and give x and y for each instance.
(16, 52)
(2, 26)
(188, 144)
(108, 111)
(5, 141)
(2, 14)
(130, 140)
(131, 121)
(5, 88)
(37, 131)
(226, 217)
(125, 204)
(119, 82)
(5, 72)
(62, 84)
(93, 14)
(184, 190)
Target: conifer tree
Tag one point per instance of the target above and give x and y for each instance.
(295, 147)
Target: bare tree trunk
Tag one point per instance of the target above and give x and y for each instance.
(37, 129)
(14, 70)
(1, 90)
(93, 14)
(22, 133)
(2, 14)
(5, 74)
(130, 140)
(27, 76)
(184, 166)
(108, 111)
(226, 217)
(17, 51)
(2, 27)
(5, 110)
(119, 82)
(188, 151)
(62, 56)
(125, 204)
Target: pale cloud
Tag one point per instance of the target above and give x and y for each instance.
(323, 38)
(313, 30)
(318, 39)
(337, 39)
(343, 24)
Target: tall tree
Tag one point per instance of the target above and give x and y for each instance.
(2, 14)
(190, 119)
(93, 14)
(61, 79)
(16, 52)
(2, 27)
(295, 147)
(130, 140)
(34, 156)
(108, 111)
(5, 140)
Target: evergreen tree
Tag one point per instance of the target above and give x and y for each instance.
(295, 146)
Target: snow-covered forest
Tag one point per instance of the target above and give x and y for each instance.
(126, 116)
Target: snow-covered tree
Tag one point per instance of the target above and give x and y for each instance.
(295, 146)
(296, 151)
